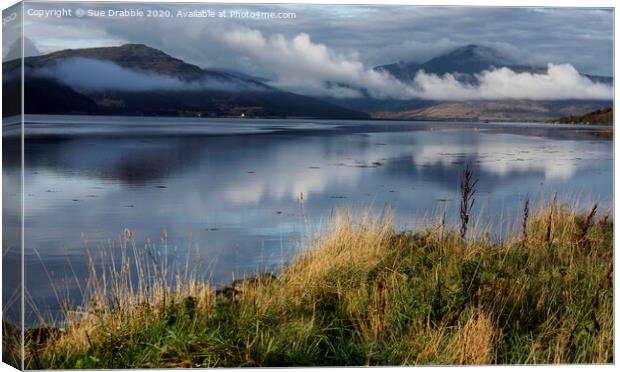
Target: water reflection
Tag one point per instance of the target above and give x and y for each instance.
(237, 196)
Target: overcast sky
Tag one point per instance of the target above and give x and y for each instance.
(373, 35)
(317, 45)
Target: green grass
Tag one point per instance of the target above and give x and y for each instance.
(364, 294)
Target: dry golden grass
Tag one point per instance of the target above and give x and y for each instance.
(473, 343)
(361, 294)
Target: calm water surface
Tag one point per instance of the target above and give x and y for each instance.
(244, 193)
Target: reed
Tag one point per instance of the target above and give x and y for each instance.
(468, 190)
(526, 216)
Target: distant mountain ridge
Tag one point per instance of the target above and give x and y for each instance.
(469, 59)
(134, 56)
(251, 96)
(247, 97)
(138, 57)
(463, 61)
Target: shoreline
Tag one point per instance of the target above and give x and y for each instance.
(362, 292)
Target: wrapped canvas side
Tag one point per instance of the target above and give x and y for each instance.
(12, 187)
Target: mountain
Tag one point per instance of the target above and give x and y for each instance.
(464, 63)
(135, 79)
(136, 57)
(145, 81)
(50, 96)
(469, 59)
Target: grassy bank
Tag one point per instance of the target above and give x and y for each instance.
(602, 116)
(363, 294)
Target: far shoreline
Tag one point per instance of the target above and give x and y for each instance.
(12, 119)
(70, 126)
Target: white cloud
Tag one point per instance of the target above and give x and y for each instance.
(304, 66)
(301, 65)
(307, 67)
(558, 82)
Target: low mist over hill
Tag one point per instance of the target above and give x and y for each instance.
(135, 79)
(468, 67)
(472, 82)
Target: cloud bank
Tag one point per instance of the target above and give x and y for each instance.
(301, 65)
(304, 66)
(98, 75)
(557, 83)
(312, 68)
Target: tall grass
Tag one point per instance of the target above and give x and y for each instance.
(361, 294)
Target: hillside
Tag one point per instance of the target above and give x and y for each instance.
(133, 56)
(515, 110)
(468, 59)
(135, 79)
(602, 116)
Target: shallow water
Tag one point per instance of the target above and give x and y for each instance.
(244, 192)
